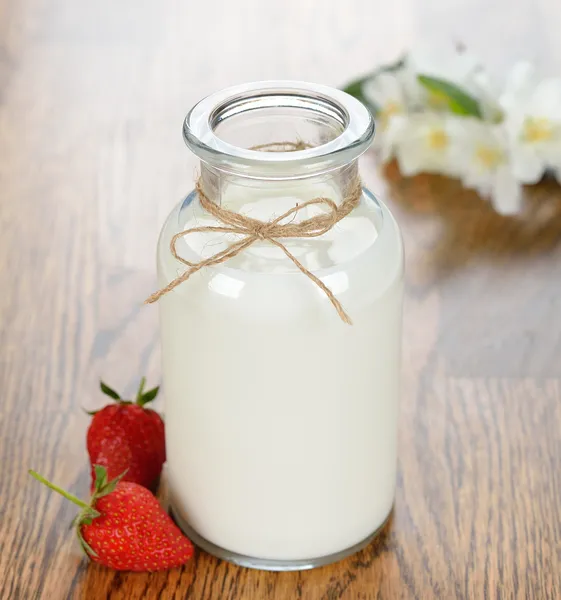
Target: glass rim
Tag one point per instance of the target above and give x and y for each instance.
(355, 138)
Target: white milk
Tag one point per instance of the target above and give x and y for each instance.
(281, 420)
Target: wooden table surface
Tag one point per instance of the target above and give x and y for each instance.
(92, 95)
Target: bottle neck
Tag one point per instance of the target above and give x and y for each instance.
(264, 199)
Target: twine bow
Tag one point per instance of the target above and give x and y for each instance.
(253, 230)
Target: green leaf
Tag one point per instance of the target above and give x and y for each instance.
(108, 487)
(456, 99)
(355, 87)
(85, 546)
(148, 396)
(108, 391)
(86, 516)
(100, 477)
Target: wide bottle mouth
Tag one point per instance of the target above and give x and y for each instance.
(224, 128)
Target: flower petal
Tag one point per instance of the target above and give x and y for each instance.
(409, 159)
(519, 86)
(546, 99)
(383, 88)
(506, 194)
(527, 166)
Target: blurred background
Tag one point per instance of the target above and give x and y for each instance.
(93, 97)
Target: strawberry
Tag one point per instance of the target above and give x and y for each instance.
(125, 528)
(126, 436)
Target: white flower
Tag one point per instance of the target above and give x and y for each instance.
(423, 143)
(385, 93)
(482, 151)
(486, 92)
(515, 141)
(532, 109)
(456, 67)
(440, 61)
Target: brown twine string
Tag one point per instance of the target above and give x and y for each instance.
(271, 231)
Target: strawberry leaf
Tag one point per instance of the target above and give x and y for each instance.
(100, 477)
(85, 546)
(108, 391)
(86, 516)
(108, 486)
(148, 396)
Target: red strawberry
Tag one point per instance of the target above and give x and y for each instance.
(125, 528)
(126, 436)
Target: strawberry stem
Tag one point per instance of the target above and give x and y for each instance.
(140, 390)
(62, 492)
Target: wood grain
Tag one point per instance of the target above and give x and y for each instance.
(92, 95)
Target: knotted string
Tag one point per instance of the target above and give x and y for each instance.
(253, 230)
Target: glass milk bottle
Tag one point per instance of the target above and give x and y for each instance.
(281, 419)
